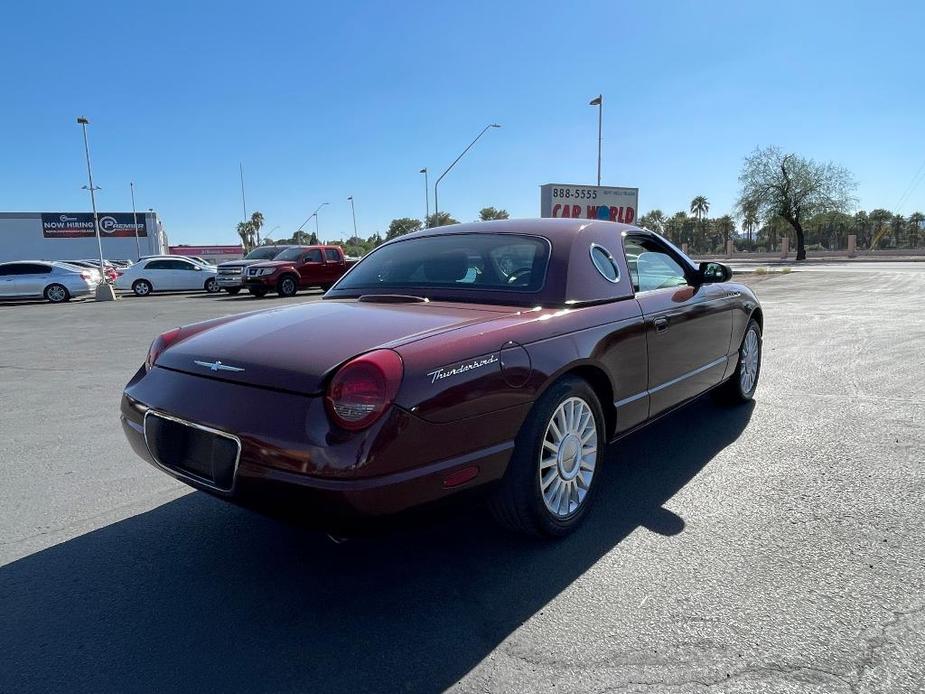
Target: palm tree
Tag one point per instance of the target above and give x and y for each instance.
(486, 214)
(727, 227)
(246, 232)
(749, 218)
(440, 219)
(915, 221)
(654, 221)
(257, 223)
(699, 207)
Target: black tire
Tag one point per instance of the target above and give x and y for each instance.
(57, 293)
(517, 502)
(211, 286)
(142, 288)
(233, 290)
(258, 292)
(734, 391)
(287, 286)
(326, 287)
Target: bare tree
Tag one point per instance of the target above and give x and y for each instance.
(794, 188)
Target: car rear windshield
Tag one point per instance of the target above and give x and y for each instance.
(498, 262)
(265, 253)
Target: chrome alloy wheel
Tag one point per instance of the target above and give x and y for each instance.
(568, 457)
(749, 357)
(56, 293)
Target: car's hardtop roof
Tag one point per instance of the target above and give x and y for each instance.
(571, 276)
(538, 227)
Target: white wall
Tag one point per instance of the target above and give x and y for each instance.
(21, 239)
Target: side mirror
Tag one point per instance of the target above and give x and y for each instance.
(710, 273)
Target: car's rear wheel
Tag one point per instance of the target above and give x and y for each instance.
(57, 293)
(550, 481)
(287, 286)
(211, 286)
(741, 386)
(258, 292)
(326, 287)
(142, 287)
(233, 290)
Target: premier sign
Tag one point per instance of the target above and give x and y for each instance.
(70, 225)
(606, 203)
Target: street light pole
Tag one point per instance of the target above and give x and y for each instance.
(243, 199)
(426, 196)
(599, 102)
(84, 122)
(135, 221)
(436, 203)
(354, 211)
(315, 215)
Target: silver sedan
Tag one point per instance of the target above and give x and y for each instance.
(56, 282)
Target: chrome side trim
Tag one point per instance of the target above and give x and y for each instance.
(632, 398)
(186, 476)
(674, 381)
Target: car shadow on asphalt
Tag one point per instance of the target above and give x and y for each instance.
(200, 595)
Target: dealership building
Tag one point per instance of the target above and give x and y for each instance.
(72, 235)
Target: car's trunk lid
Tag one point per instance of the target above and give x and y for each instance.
(296, 348)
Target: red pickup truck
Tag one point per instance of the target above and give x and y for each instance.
(298, 267)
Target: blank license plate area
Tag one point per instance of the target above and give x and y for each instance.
(204, 455)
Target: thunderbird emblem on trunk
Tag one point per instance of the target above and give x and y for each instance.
(217, 366)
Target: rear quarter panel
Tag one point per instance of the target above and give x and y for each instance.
(509, 361)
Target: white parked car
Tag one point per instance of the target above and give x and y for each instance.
(165, 274)
(55, 281)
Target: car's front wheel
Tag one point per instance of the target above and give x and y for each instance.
(211, 286)
(258, 292)
(141, 287)
(57, 293)
(550, 481)
(741, 386)
(287, 286)
(233, 290)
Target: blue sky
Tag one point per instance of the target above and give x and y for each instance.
(325, 100)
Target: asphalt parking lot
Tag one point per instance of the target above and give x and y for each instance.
(777, 547)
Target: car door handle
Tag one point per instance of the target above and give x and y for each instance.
(661, 325)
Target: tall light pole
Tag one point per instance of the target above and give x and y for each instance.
(243, 199)
(599, 102)
(426, 196)
(354, 211)
(315, 215)
(131, 185)
(436, 203)
(84, 122)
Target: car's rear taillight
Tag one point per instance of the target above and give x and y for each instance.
(161, 342)
(364, 388)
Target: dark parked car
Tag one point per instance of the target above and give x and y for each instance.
(499, 354)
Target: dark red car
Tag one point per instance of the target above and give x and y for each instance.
(298, 267)
(499, 354)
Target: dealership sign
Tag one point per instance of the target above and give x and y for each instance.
(589, 202)
(70, 225)
(207, 250)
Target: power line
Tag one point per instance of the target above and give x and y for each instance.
(913, 184)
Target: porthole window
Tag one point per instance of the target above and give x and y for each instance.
(605, 263)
